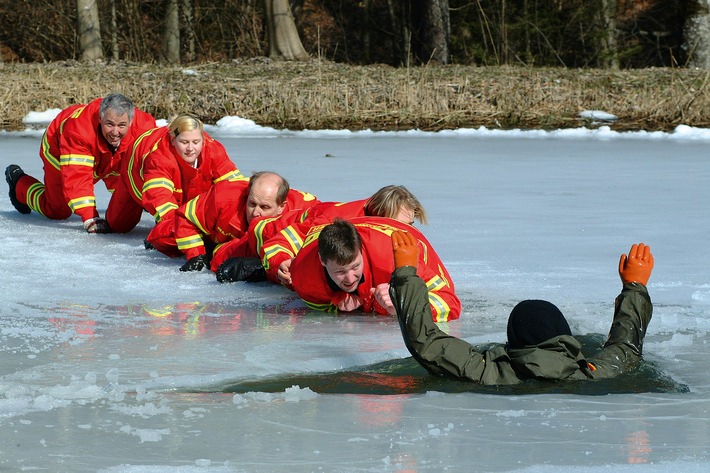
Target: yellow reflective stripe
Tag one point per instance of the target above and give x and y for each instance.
(440, 308)
(435, 283)
(217, 246)
(272, 250)
(259, 232)
(34, 194)
(158, 183)
(293, 238)
(441, 275)
(192, 241)
(76, 113)
(191, 215)
(132, 162)
(235, 175)
(163, 209)
(76, 160)
(330, 308)
(47, 155)
(82, 202)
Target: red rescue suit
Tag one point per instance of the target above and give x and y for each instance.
(76, 156)
(276, 239)
(220, 216)
(311, 281)
(157, 179)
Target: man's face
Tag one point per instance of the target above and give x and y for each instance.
(345, 276)
(114, 127)
(189, 145)
(261, 201)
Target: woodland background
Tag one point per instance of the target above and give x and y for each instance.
(567, 33)
(380, 64)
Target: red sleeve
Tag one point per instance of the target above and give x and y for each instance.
(283, 246)
(159, 172)
(223, 168)
(236, 248)
(77, 160)
(193, 221)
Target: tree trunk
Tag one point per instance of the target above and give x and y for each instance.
(697, 37)
(609, 48)
(438, 32)
(114, 32)
(366, 30)
(431, 24)
(89, 30)
(284, 42)
(171, 33)
(189, 29)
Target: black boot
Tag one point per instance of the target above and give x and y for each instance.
(13, 173)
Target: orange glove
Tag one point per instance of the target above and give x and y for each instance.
(637, 266)
(405, 248)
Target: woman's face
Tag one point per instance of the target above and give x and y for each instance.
(189, 145)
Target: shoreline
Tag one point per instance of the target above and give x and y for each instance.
(324, 95)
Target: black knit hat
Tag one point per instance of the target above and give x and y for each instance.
(532, 322)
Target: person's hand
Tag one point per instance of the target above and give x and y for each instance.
(637, 266)
(382, 296)
(349, 303)
(195, 263)
(405, 248)
(96, 225)
(284, 272)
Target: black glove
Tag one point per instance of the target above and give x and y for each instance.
(96, 225)
(241, 269)
(195, 263)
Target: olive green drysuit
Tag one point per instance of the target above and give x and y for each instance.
(555, 359)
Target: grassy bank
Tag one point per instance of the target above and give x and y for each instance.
(319, 95)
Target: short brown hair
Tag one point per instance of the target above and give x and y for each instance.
(339, 242)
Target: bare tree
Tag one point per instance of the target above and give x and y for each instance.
(609, 48)
(434, 34)
(189, 29)
(171, 33)
(284, 42)
(114, 32)
(89, 30)
(697, 36)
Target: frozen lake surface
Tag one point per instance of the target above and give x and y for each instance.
(112, 360)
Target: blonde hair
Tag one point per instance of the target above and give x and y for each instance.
(183, 123)
(387, 201)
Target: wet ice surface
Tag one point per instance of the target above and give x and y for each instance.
(113, 360)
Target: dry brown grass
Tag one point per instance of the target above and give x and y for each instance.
(319, 95)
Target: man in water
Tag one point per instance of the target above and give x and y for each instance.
(540, 343)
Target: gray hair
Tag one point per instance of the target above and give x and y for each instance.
(119, 103)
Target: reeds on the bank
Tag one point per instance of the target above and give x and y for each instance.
(319, 95)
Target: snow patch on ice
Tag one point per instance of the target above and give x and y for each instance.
(293, 394)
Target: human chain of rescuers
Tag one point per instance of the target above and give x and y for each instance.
(339, 257)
